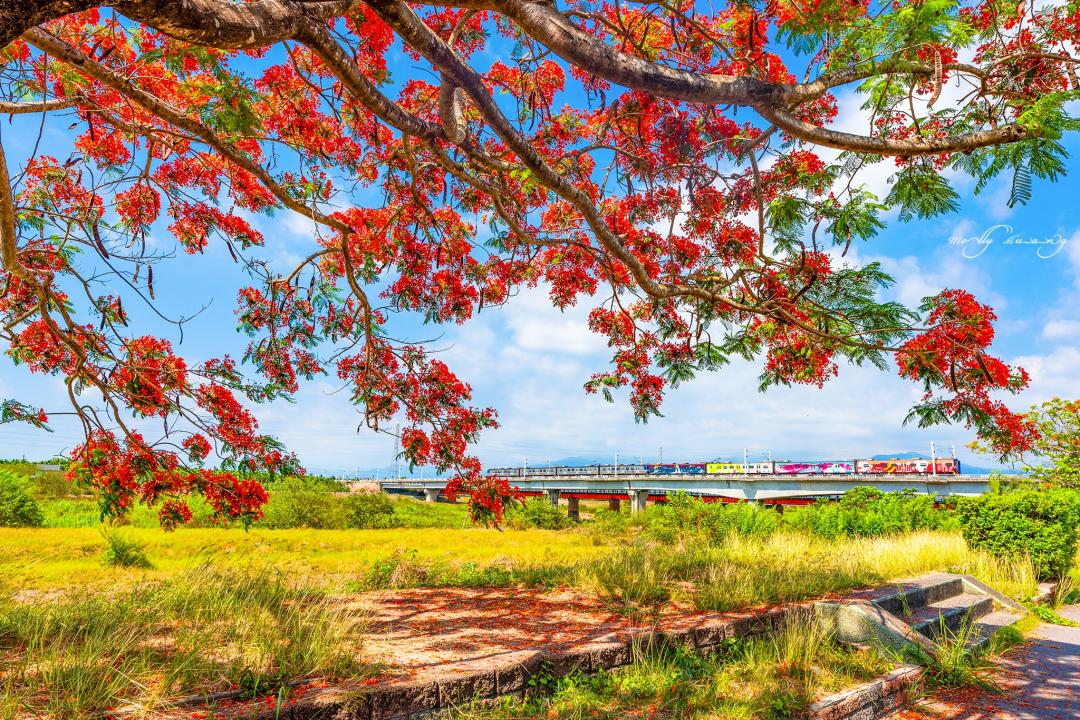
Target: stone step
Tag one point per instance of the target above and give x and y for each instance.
(906, 597)
(949, 614)
(988, 625)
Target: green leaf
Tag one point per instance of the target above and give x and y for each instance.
(923, 193)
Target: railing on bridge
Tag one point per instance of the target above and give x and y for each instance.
(768, 489)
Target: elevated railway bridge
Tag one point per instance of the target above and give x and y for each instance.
(778, 490)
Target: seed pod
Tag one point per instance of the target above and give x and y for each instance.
(936, 92)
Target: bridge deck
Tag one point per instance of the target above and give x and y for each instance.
(739, 487)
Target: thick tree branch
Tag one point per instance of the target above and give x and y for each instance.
(8, 107)
(317, 37)
(880, 146)
(72, 56)
(233, 25)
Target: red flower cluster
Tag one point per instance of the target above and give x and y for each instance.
(696, 236)
(950, 357)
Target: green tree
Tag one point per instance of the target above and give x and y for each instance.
(17, 505)
(1054, 457)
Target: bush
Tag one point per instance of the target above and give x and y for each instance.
(868, 512)
(294, 502)
(683, 514)
(124, 551)
(17, 506)
(52, 485)
(1040, 524)
(367, 510)
(537, 513)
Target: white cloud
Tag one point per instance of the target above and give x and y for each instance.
(1061, 330)
(545, 413)
(917, 278)
(1056, 373)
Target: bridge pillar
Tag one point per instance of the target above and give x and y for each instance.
(552, 497)
(638, 498)
(614, 504)
(431, 494)
(573, 508)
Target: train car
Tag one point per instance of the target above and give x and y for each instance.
(914, 466)
(675, 468)
(731, 468)
(894, 466)
(826, 467)
(797, 468)
(948, 466)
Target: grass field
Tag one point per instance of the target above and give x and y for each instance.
(222, 608)
(43, 559)
(205, 608)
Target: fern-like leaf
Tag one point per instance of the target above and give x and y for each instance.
(1021, 185)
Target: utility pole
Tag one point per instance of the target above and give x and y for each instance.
(745, 461)
(524, 467)
(933, 459)
(616, 464)
(397, 455)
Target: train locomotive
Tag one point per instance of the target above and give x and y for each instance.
(895, 466)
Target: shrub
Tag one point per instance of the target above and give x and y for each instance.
(868, 512)
(294, 502)
(537, 513)
(124, 551)
(683, 514)
(1040, 524)
(52, 485)
(17, 505)
(607, 525)
(367, 510)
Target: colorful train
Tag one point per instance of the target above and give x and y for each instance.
(896, 466)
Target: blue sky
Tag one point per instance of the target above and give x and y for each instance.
(530, 361)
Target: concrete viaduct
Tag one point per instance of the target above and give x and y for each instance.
(766, 489)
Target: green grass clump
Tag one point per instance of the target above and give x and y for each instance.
(124, 551)
(633, 577)
(959, 660)
(204, 631)
(406, 569)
